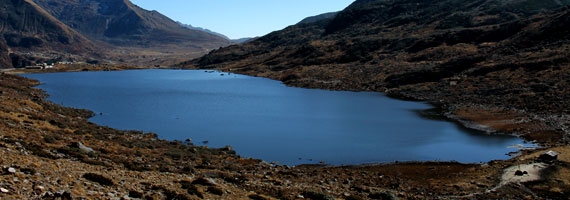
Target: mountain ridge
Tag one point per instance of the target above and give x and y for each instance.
(234, 41)
(123, 23)
(317, 18)
(203, 29)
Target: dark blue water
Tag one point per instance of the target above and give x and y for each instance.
(265, 119)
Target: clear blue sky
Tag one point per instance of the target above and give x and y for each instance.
(242, 18)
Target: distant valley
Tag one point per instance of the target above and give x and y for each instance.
(99, 30)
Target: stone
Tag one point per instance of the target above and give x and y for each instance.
(353, 197)
(317, 195)
(82, 147)
(258, 197)
(548, 156)
(11, 170)
(519, 173)
(136, 194)
(39, 188)
(4, 190)
(48, 195)
(63, 195)
(227, 148)
(386, 195)
(204, 181)
(193, 190)
(215, 190)
(103, 180)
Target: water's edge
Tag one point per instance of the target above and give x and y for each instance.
(437, 112)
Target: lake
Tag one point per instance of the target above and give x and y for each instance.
(263, 118)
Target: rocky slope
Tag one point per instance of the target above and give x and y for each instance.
(30, 34)
(121, 23)
(317, 18)
(488, 61)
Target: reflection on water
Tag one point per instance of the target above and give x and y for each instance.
(262, 118)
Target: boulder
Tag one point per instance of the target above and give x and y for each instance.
(258, 197)
(215, 190)
(193, 190)
(548, 156)
(136, 194)
(103, 180)
(204, 181)
(39, 188)
(316, 195)
(386, 195)
(82, 147)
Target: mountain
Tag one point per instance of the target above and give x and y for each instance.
(121, 23)
(203, 29)
(30, 34)
(502, 53)
(234, 41)
(108, 30)
(317, 18)
(243, 40)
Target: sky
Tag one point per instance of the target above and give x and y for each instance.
(242, 18)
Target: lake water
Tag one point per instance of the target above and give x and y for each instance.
(262, 118)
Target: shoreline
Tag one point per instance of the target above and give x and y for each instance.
(441, 112)
(235, 176)
(438, 112)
